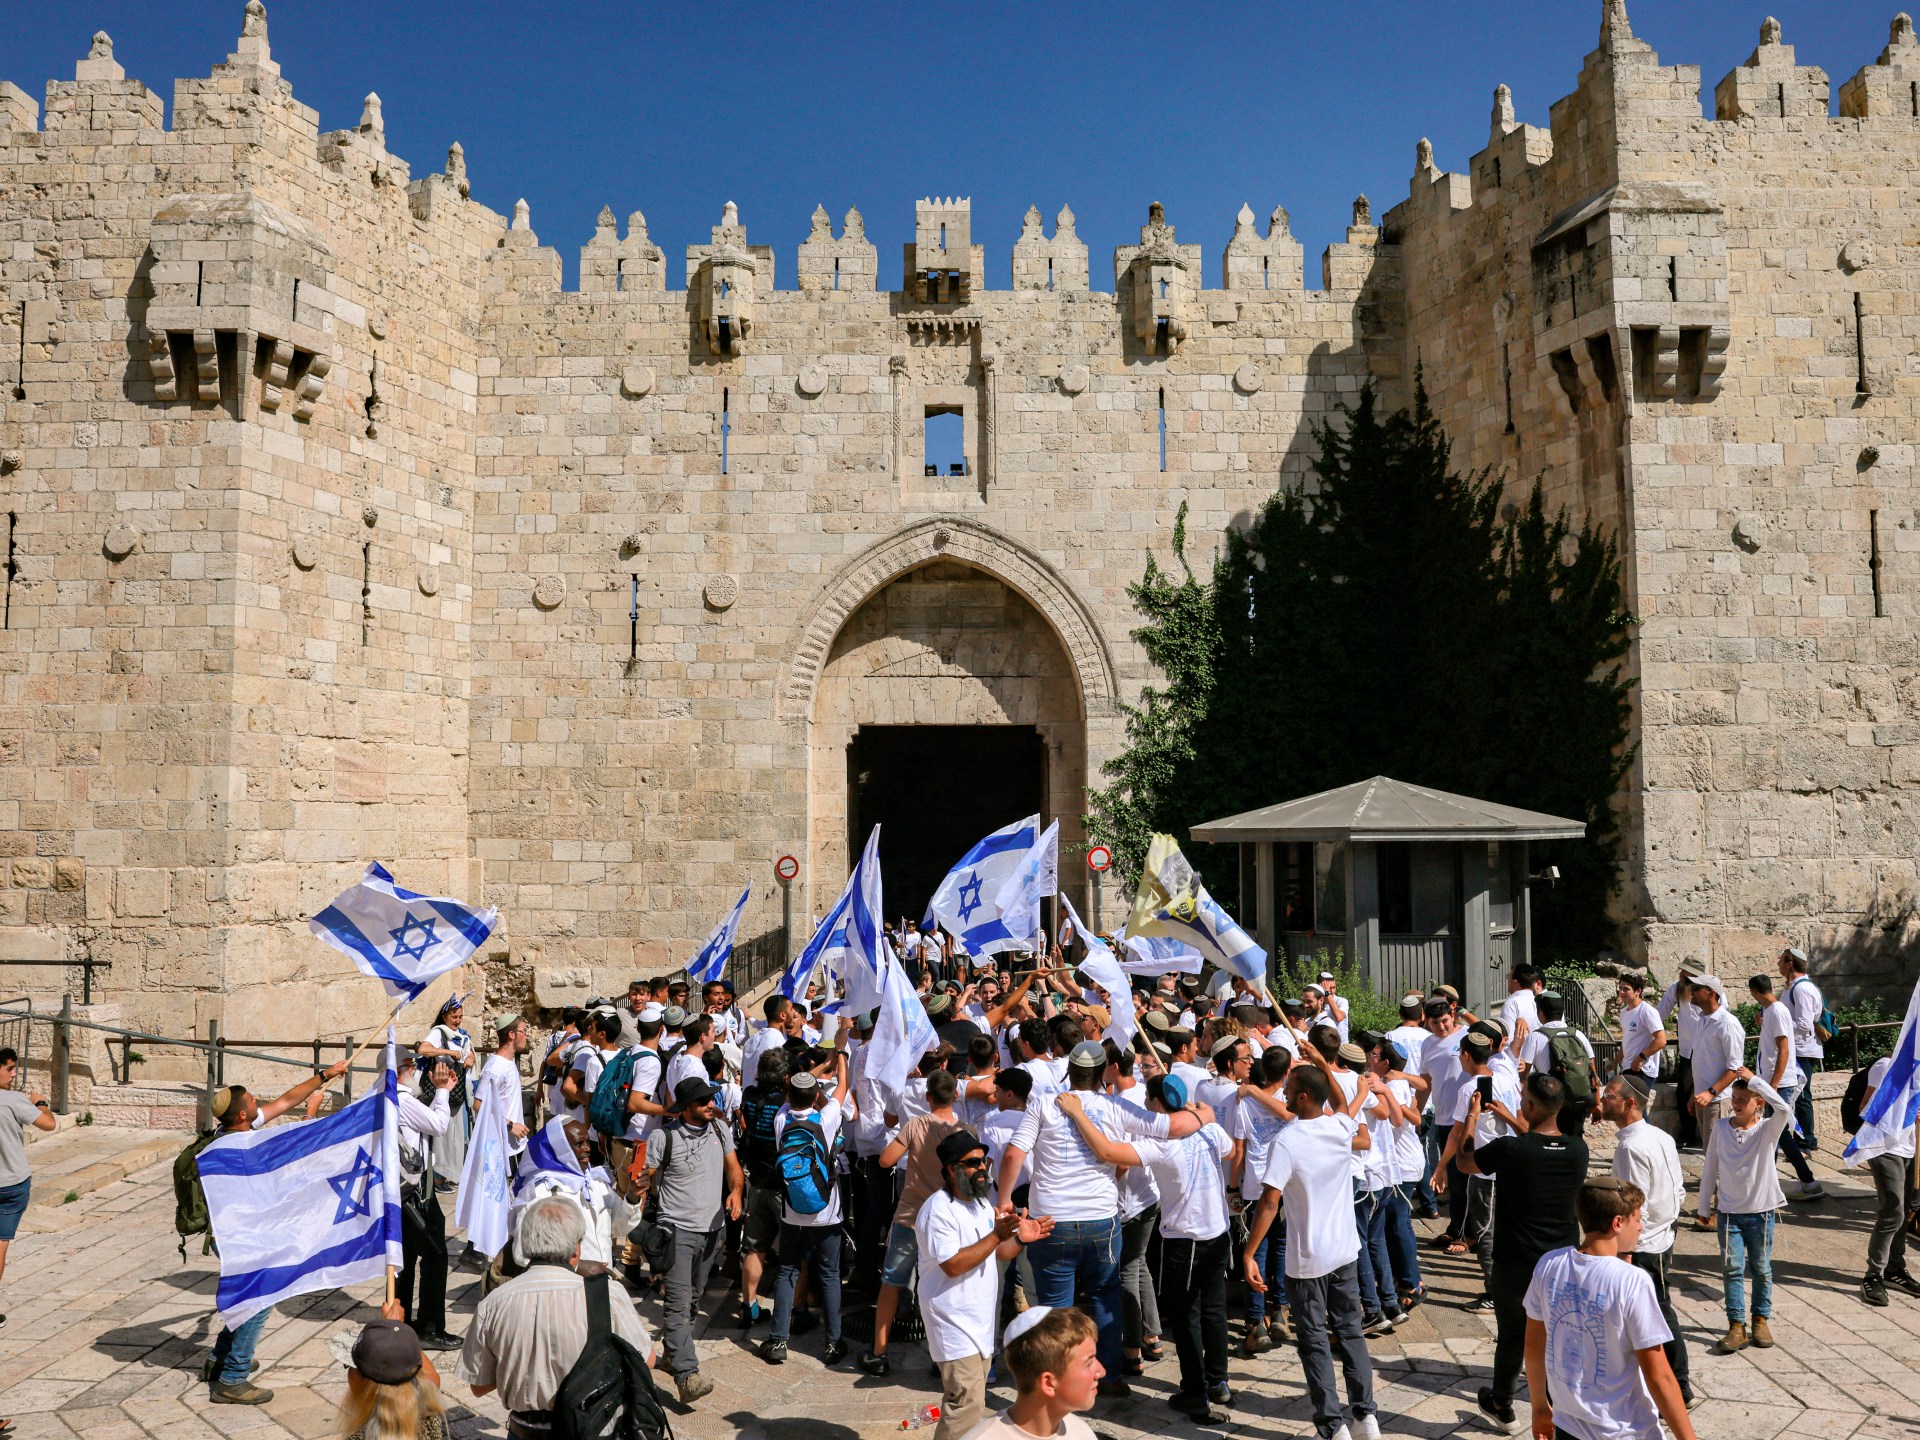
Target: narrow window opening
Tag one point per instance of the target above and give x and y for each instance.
(366, 592)
(1506, 381)
(836, 274)
(1163, 289)
(372, 405)
(1600, 356)
(726, 426)
(1860, 385)
(1266, 275)
(619, 274)
(295, 311)
(1496, 172)
(20, 374)
(1646, 350)
(1049, 274)
(1693, 364)
(726, 289)
(633, 625)
(1673, 277)
(945, 439)
(1873, 560)
(1163, 429)
(943, 237)
(1568, 374)
(199, 282)
(1913, 97)
(13, 569)
(1780, 93)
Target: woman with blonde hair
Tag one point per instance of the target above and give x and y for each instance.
(393, 1391)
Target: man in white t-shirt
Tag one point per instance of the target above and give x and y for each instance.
(1645, 1156)
(1642, 1033)
(1439, 1079)
(961, 1237)
(1334, 1008)
(603, 1043)
(1596, 1359)
(1308, 1163)
(1777, 1063)
(1806, 1004)
(811, 1234)
(1893, 1189)
(1519, 1014)
(1676, 1001)
(1082, 1255)
(1719, 1049)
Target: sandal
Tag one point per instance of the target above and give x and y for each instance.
(1458, 1247)
(1133, 1368)
(1151, 1351)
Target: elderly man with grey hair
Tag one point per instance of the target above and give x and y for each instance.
(527, 1335)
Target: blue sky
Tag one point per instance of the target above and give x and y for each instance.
(675, 109)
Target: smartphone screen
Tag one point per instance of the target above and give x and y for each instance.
(1485, 1083)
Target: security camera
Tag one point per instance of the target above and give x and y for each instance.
(1548, 877)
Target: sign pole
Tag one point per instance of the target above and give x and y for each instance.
(1099, 858)
(784, 870)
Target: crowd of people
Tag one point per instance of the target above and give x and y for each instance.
(1031, 1164)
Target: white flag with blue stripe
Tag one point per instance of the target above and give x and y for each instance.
(863, 968)
(300, 1208)
(902, 1033)
(707, 966)
(1036, 876)
(967, 904)
(828, 943)
(1102, 967)
(402, 939)
(1157, 954)
(1887, 1120)
(549, 1153)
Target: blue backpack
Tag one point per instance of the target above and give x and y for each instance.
(804, 1163)
(607, 1108)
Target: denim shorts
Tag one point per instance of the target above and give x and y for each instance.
(13, 1204)
(902, 1257)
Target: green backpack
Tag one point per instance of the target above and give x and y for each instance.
(1567, 1063)
(190, 1197)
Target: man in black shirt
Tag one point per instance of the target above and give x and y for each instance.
(1538, 1172)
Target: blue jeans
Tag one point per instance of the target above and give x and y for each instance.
(1271, 1257)
(1746, 1251)
(1790, 1142)
(233, 1349)
(1403, 1249)
(1363, 1221)
(1084, 1256)
(797, 1243)
(1375, 1246)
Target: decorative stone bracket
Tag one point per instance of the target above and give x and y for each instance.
(1163, 278)
(241, 283)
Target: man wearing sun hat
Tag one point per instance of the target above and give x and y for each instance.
(1719, 1050)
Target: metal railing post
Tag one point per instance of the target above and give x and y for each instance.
(63, 1046)
(347, 1079)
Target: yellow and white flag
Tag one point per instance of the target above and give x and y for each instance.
(1171, 901)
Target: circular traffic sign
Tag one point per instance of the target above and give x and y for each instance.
(786, 867)
(1099, 858)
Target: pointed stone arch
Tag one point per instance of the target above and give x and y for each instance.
(951, 538)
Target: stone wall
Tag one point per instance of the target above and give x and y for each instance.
(341, 529)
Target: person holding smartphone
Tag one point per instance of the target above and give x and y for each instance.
(1477, 1113)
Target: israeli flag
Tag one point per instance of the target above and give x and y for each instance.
(550, 1153)
(712, 959)
(300, 1208)
(1887, 1121)
(1035, 877)
(863, 970)
(1103, 968)
(1172, 902)
(404, 940)
(1157, 954)
(967, 903)
(902, 1032)
(829, 943)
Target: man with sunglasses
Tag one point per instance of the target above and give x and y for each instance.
(961, 1236)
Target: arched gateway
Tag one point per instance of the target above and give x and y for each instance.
(945, 677)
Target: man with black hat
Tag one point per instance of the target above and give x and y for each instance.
(1677, 1000)
(961, 1236)
(236, 1110)
(423, 1226)
(697, 1184)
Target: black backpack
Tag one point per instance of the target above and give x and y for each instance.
(609, 1393)
(190, 1198)
(758, 1145)
(1567, 1062)
(1855, 1097)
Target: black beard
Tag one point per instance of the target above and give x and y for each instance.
(968, 1186)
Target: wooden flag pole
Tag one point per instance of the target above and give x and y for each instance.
(380, 1031)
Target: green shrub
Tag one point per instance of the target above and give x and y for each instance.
(1366, 1010)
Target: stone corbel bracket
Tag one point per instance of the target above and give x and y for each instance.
(237, 266)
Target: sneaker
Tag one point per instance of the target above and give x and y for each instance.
(751, 1315)
(1761, 1333)
(1397, 1318)
(1375, 1324)
(1811, 1190)
(1343, 1433)
(1734, 1341)
(1280, 1325)
(1482, 1306)
(1904, 1281)
(1368, 1427)
(1500, 1413)
(1115, 1390)
(438, 1340)
(206, 1368)
(1253, 1342)
(1221, 1394)
(1186, 1402)
(874, 1363)
(245, 1393)
(1873, 1291)
(774, 1352)
(835, 1352)
(692, 1386)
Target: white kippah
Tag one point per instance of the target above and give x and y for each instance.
(1025, 1321)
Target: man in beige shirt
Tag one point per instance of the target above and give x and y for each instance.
(527, 1335)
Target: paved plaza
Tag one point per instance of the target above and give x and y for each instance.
(106, 1329)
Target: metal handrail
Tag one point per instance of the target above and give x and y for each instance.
(86, 965)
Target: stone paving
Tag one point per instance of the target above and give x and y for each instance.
(107, 1327)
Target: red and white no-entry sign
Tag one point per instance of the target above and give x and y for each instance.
(786, 867)
(1099, 858)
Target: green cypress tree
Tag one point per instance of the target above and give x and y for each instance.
(1390, 623)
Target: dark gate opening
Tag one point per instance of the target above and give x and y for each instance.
(934, 790)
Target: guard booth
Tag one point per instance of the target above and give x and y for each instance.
(1415, 887)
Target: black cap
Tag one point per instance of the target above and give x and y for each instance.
(692, 1091)
(956, 1145)
(387, 1353)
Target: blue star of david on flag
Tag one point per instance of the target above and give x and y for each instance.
(969, 897)
(417, 950)
(356, 1187)
(967, 906)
